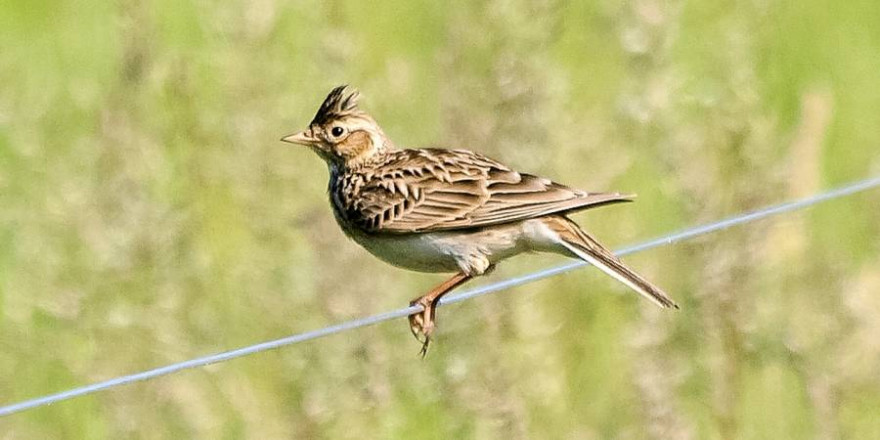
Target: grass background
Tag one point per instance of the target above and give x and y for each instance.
(148, 215)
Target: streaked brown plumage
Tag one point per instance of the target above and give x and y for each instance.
(435, 210)
(436, 190)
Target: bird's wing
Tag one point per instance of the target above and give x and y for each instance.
(436, 190)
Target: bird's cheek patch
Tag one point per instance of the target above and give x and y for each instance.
(356, 144)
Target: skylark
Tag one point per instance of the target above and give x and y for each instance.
(448, 211)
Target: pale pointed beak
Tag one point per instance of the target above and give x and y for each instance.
(302, 138)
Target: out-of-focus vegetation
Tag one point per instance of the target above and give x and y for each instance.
(148, 214)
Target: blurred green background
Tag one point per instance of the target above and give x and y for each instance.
(148, 215)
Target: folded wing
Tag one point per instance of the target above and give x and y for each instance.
(436, 190)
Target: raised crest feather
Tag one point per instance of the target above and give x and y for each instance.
(339, 102)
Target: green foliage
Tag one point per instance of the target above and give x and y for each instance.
(149, 215)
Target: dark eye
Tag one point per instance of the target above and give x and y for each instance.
(336, 131)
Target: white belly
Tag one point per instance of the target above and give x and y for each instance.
(471, 251)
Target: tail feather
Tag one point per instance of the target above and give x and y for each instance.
(587, 248)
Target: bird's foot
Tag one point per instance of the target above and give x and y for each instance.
(421, 324)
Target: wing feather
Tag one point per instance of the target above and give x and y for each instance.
(436, 190)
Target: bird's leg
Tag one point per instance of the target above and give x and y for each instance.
(422, 323)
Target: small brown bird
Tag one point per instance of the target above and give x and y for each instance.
(448, 211)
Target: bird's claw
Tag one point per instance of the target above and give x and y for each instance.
(421, 324)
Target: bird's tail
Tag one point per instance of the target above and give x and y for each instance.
(588, 249)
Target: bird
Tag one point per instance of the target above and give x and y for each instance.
(448, 211)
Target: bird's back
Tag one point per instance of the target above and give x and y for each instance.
(409, 191)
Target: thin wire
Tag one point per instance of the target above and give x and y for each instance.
(489, 288)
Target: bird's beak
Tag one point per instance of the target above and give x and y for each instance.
(302, 138)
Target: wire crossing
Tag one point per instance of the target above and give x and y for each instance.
(676, 237)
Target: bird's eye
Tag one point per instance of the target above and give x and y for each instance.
(337, 131)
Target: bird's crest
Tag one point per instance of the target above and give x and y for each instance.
(337, 104)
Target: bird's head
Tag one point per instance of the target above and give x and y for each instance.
(341, 133)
